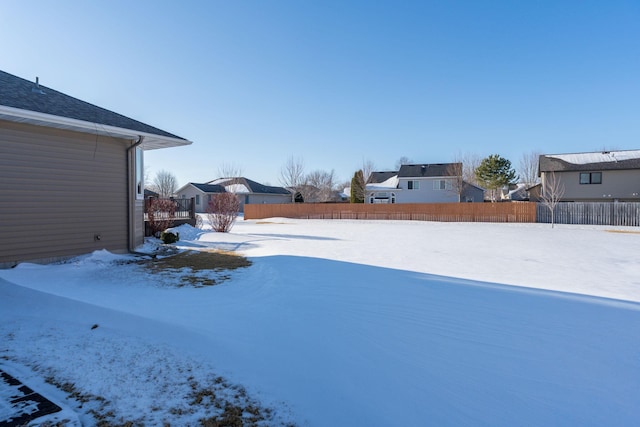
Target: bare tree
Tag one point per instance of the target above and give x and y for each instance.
(454, 170)
(404, 160)
(165, 183)
(223, 211)
(551, 194)
(528, 170)
(229, 170)
(319, 186)
(367, 169)
(292, 175)
(470, 162)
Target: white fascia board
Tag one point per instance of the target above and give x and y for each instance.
(151, 141)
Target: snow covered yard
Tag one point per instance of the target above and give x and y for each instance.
(347, 323)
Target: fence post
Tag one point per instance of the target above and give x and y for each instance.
(192, 211)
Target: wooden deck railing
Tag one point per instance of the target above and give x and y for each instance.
(184, 209)
(183, 212)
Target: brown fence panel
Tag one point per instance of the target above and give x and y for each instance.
(450, 212)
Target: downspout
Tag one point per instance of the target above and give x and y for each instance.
(130, 192)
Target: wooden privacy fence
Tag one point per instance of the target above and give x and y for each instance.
(452, 212)
(597, 213)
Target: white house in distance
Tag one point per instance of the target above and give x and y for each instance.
(248, 192)
(421, 183)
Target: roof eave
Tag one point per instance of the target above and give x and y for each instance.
(151, 141)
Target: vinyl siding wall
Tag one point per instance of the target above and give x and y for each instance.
(262, 199)
(622, 185)
(58, 190)
(426, 193)
(191, 192)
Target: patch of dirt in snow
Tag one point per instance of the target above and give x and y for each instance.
(198, 268)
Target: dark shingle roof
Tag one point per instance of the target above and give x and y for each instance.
(378, 177)
(209, 188)
(252, 186)
(256, 187)
(427, 170)
(23, 94)
(607, 160)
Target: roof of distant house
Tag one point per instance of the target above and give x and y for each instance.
(26, 101)
(390, 183)
(428, 170)
(244, 185)
(150, 193)
(382, 176)
(601, 160)
(208, 188)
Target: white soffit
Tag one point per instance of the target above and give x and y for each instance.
(150, 141)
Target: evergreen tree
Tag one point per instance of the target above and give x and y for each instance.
(357, 187)
(495, 172)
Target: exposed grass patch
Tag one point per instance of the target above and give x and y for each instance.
(225, 403)
(205, 268)
(623, 231)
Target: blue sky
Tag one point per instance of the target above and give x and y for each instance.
(337, 83)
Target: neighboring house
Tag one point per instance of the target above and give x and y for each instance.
(201, 193)
(382, 187)
(515, 192)
(248, 192)
(533, 193)
(253, 193)
(421, 183)
(71, 174)
(596, 176)
(150, 194)
(380, 177)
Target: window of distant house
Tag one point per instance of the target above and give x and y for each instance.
(441, 184)
(591, 178)
(197, 199)
(413, 185)
(139, 174)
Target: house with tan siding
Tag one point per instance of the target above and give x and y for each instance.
(71, 174)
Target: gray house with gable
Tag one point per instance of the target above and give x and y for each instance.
(247, 191)
(604, 176)
(71, 174)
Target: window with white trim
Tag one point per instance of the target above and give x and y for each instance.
(442, 184)
(413, 185)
